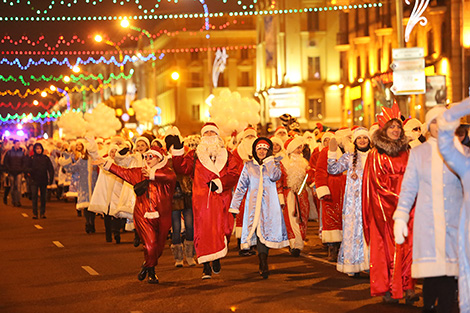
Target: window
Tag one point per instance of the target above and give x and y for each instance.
(315, 111)
(245, 79)
(379, 60)
(358, 67)
(313, 22)
(244, 54)
(195, 114)
(196, 79)
(314, 68)
(430, 39)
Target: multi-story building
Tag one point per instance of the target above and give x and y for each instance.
(365, 41)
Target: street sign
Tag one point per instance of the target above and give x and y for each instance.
(409, 82)
(407, 53)
(408, 66)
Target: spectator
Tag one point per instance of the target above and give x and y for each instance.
(14, 165)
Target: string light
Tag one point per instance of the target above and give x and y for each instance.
(25, 118)
(137, 55)
(44, 92)
(26, 104)
(71, 78)
(25, 40)
(186, 15)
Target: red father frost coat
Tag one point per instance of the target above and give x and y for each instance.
(152, 211)
(213, 224)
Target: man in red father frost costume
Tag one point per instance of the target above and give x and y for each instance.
(390, 264)
(154, 185)
(215, 173)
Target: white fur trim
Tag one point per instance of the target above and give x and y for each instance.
(144, 139)
(328, 236)
(248, 132)
(151, 215)
(219, 164)
(294, 144)
(323, 191)
(218, 183)
(177, 152)
(235, 211)
(214, 256)
(107, 165)
(206, 128)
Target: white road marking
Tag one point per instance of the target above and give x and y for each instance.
(38, 226)
(58, 244)
(90, 271)
(136, 312)
(24, 214)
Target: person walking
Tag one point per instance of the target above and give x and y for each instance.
(41, 172)
(14, 165)
(263, 221)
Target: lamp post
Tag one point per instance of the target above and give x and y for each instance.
(99, 38)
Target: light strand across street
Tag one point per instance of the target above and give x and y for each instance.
(185, 15)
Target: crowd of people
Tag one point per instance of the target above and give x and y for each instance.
(390, 200)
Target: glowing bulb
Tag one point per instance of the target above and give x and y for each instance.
(43, 94)
(98, 38)
(19, 126)
(360, 80)
(125, 117)
(131, 112)
(45, 136)
(118, 112)
(175, 75)
(52, 87)
(35, 102)
(131, 135)
(67, 79)
(20, 133)
(125, 23)
(7, 133)
(76, 69)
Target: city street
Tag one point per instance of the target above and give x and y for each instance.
(52, 265)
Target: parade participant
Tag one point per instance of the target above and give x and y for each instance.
(310, 140)
(353, 256)
(438, 195)
(14, 163)
(458, 161)
(215, 173)
(292, 194)
(154, 185)
(244, 153)
(281, 133)
(105, 196)
(278, 149)
(182, 209)
(41, 171)
(312, 168)
(412, 128)
(390, 265)
(81, 166)
(124, 158)
(330, 190)
(263, 222)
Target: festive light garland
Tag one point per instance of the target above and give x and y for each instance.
(186, 15)
(25, 118)
(73, 78)
(26, 104)
(95, 2)
(30, 92)
(24, 39)
(127, 58)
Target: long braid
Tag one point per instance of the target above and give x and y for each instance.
(354, 163)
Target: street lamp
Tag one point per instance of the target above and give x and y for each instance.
(99, 38)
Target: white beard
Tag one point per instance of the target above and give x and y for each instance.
(245, 149)
(210, 147)
(296, 168)
(283, 138)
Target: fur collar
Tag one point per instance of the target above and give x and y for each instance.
(388, 146)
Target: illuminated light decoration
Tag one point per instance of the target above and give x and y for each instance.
(416, 16)
(72, 78)
(25, 40)
(39, 118)
(219, 65)
(44, 92)
(187, 15)
(127, 58)
(125, 117)
(7, 133)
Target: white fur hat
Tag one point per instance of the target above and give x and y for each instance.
(210, 126)
(277, 140)
(293, 143)
(433, 114)
(144, 139)
(360, 131)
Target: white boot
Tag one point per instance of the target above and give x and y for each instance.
(189, 252)
(177, 251)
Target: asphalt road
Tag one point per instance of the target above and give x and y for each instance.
(52, 265)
